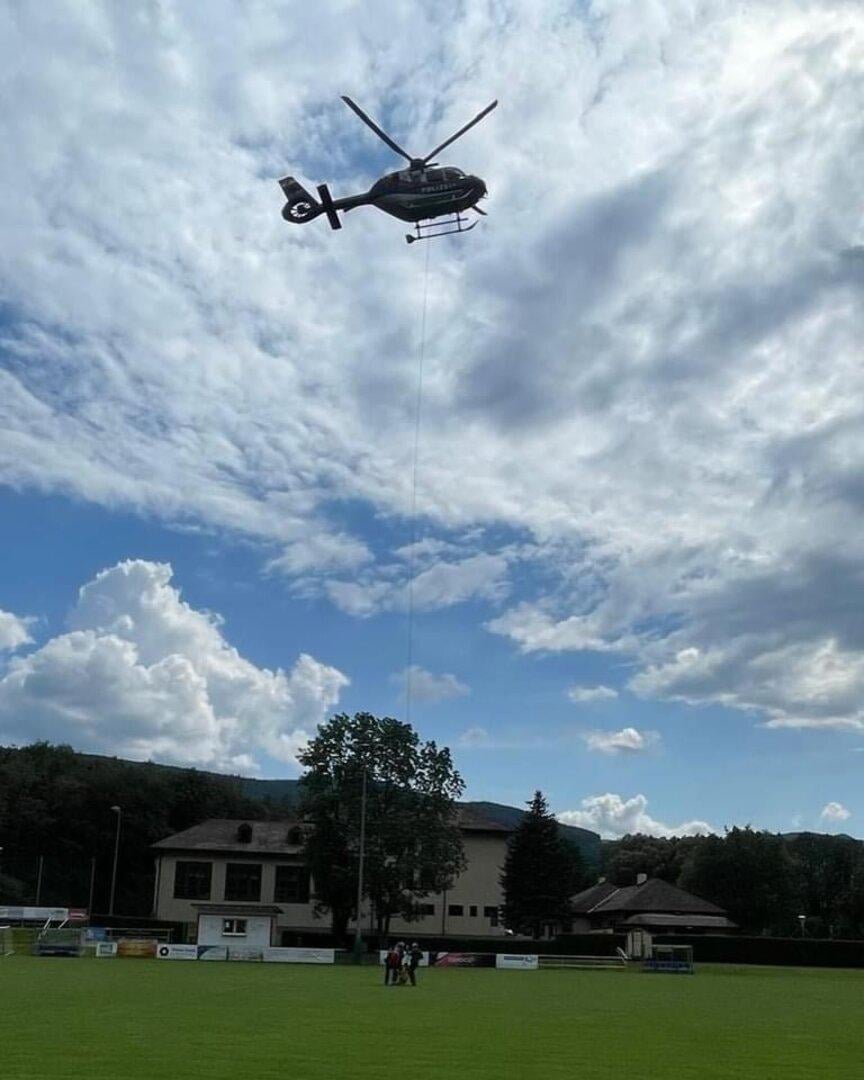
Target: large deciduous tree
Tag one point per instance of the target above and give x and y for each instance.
(542, 871)
(413, 842)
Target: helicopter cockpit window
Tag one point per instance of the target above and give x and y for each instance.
(453, 174)
(433, 175)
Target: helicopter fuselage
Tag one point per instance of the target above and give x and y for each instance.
(413, 194)
(419, 194)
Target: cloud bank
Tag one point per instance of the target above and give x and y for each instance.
(647, 369)
(143, 675)
(613, 817)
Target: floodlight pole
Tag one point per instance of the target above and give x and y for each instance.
(119, 812)
(358, 938)
(92, 886)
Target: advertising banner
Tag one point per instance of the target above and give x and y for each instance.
(245, 952)
(177, 952)
(212, 952)
(300, 956)
(424, 959)
(106, 948)
(517, 961)
(34, 914)
(464, 959)
(137, 948)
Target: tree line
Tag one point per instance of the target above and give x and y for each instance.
(56, 804)
(765, 881)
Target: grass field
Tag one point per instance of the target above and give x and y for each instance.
(122, 1019)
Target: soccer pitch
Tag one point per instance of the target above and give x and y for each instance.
(118, 1019)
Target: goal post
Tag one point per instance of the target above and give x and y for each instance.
(7, 942)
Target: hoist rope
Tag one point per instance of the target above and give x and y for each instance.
(418, 414)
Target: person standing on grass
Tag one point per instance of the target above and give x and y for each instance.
(414, 957)
(392, 963)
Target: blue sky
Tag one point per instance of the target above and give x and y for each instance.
(636, 570)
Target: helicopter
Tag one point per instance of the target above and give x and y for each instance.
(422, 193)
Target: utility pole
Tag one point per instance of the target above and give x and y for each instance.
(92, 886)
(358, 935)
(119, 812)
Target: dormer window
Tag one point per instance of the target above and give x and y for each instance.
(244, 833)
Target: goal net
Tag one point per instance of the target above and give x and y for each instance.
(7, 945)
(60, 941)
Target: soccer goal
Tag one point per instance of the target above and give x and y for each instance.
(670, 960)
(7, 945)
(59, 941)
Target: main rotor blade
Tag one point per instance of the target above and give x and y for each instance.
(378, 131)
(460, 132)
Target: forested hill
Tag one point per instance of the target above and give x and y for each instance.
(55, 804)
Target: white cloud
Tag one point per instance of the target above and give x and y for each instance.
(426, 687)
(637, 381)
(143, 675)
(580, 695)
(613, 817)
(13, 631)
(475, 737)
(438, 585)
(627, 740)
(834, 812)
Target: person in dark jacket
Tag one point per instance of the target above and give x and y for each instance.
(415, 955)
(392, 963)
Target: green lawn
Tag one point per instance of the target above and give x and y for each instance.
(166, 1020)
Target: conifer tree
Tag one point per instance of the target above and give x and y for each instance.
(542, 870)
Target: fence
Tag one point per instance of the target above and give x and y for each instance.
(587, 963)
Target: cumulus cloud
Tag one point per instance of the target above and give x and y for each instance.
(142, 674)
(13, 631)
(613, 816)
(834, 812)
(639, 383)
(628, 740)
(475, 737)
(580, 695)
(427, 687)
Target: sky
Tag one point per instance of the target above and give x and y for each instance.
(634, 544)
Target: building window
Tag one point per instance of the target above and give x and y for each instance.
(233, 928)
(292, 885)
(491, 913)
(243, 881)
(472, 911)
(425, 909)
(455, 909)
(192, 880)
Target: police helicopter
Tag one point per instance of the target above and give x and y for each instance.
(422, 193)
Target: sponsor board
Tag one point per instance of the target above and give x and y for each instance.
(106, 948)
(212, 952)
(245, 952)
(34, 914)
(177, 952)
(424, 959)
(464, 959)
(517, 961)
(299, 956)
(138, 948)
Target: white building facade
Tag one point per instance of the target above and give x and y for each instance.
(235, 880)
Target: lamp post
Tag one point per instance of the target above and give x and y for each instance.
(119, 812)
(802, 919)
(358, 936)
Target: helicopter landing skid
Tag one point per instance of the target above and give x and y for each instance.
(432, 228)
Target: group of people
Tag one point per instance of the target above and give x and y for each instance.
(401, 963)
